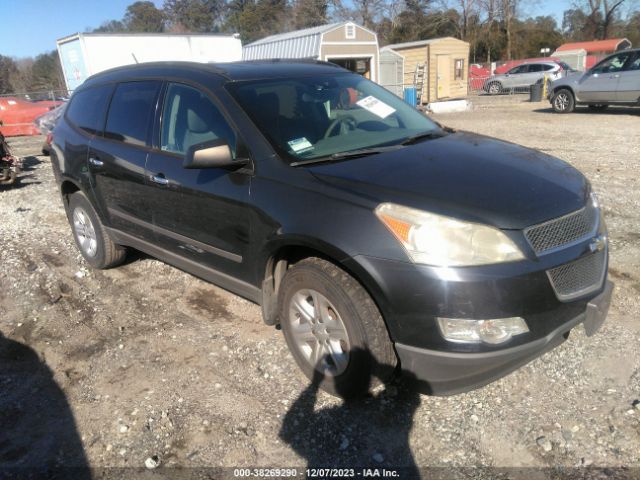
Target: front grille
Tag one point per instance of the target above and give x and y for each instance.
(563, 230)
(579, 277)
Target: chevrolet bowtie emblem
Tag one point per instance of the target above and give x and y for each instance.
(598, 243)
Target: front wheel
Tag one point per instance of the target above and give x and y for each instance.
(563, 101)
(334, 329)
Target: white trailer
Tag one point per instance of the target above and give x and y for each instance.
(84, 54)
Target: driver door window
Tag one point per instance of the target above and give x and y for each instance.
(190, 118)
(613, 64)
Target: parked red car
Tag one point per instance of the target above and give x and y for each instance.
(17, 115)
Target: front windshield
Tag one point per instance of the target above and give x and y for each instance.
(307, 118)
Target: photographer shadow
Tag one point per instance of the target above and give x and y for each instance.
(38, 435)
(365, 433)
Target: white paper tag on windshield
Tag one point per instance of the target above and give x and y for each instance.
(300, 145)
(376, 107)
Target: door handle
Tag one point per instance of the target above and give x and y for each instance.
(159, 179)
(96, 162)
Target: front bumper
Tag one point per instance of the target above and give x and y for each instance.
(446, 373)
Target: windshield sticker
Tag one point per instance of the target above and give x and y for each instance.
(376, 107)
(300, 145)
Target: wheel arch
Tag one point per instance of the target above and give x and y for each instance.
(288, 251)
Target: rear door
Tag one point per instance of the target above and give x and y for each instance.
(85, 116)
(199, 214)
(600, 84)
(117, 158)
(629, 82)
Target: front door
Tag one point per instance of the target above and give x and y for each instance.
(117, 158)
(199, 214)
(629, 83)
(600, 84)
(443, 76)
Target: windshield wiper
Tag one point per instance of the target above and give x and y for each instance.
(422, 136)
(361, 152)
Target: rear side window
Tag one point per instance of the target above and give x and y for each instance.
(131, 112)
(547, 67)
(88, 107)
(536, 67)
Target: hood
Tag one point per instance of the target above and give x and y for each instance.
(467, 176)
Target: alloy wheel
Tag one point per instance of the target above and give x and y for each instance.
(85, 232)
(319, 332)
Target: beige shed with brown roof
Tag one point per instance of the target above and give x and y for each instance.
(445, 65)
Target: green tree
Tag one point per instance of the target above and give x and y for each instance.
(110, 26)
(143, 16)
(310, 13)
(7, 69)
(194, 15)
(46, 73)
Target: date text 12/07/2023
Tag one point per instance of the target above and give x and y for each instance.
(315, 473)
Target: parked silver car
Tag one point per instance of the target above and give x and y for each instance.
(524, 75)
(613, 81)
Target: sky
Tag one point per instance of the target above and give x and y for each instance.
(30, 27)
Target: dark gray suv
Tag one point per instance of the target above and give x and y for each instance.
(376, 238)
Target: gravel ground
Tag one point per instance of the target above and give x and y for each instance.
(147, 364)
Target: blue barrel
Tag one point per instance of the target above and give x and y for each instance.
(411, 96)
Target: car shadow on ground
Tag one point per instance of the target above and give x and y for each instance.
(585, 110)
(371, 432)
(38, 437)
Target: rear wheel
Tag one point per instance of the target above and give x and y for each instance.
(598, 107)
(494, 88)
(563, 101)
(92, 239)
(334, 329)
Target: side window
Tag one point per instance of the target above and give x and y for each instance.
(613, 64)
(635, 63)
(189, 117)
(520, 69)
(459, 69)
(536, 67)
(546, 68)
(88, 107)
(131, 111)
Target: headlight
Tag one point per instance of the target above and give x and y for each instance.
(446, 242)
(493, 331)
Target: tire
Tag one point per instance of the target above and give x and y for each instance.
(91, 237)
(563, 101)
(598, 107)
(357, 353)
(494, 88)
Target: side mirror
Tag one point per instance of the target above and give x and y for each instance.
(212, 154)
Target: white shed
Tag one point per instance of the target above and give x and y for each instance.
(392, 71)
(346, 44)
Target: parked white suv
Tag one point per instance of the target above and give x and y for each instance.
(524, 75)
(613, 81)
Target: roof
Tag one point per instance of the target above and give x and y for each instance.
(421, 43)
(73, 36)
(303, 43)
(232, 71)
(610, 45)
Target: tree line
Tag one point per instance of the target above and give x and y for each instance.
(495, 29)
